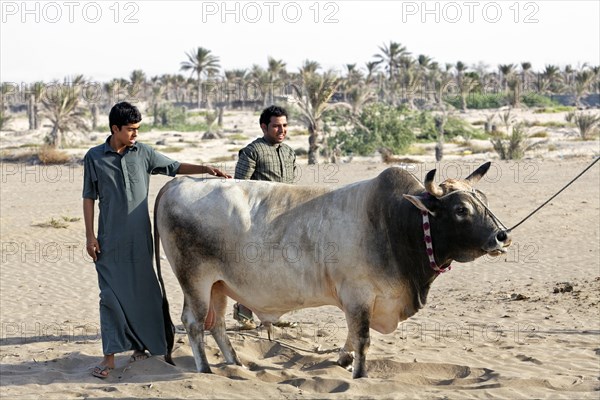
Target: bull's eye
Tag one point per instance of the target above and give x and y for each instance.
(462, 211)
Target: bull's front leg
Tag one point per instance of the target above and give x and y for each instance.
(358, 340)
(193, 318)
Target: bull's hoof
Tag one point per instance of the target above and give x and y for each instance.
(205, 370)
(359, 374)
(235, 362)
(345, 360)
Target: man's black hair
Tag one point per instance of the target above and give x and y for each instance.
(123, 113)
(272, 111)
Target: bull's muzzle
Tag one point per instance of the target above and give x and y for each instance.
(498, 243)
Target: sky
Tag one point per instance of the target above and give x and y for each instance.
(51, 40)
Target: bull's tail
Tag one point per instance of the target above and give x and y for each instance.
(169, 327)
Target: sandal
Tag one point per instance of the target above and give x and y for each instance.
(138, 357)
(242, 313)
(102, 371)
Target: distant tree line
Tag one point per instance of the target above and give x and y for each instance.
(393, 78)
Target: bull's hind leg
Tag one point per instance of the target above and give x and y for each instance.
(219, 302)
(195, 310)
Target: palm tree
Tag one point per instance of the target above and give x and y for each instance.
(525, 72)
(596, 83)
(411, 81)
(424, 62)
(516, 87)
(64, 110)
(116, 90)
(157, 93)
(235, 83)
(465, 85)
(506, 72)
(583, 83)
(36, 92)
(358, 97)
(569, 75)
(391, 55)
(5, 88)
(309, 67)
(259, 79)
(372, 67)
(554, 79)
(200, 61)
(440, 81)
(312, 98)
(352, 79)
(138, 83)
(276, 71)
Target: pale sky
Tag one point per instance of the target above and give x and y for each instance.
(47, 40)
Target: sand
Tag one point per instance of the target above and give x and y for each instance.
(522, 325)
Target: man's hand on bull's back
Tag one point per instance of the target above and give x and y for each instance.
(217, 172)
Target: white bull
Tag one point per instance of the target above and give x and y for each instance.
(276, 248)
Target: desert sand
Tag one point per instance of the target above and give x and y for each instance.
(523, 325)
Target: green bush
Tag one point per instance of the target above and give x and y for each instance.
(479, 101)
(424, 127)
(170, 118)
(537, 100)
(459, 127)
(513, 148)
(554, 109)
(380, 125)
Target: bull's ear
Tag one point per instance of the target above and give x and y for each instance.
(424, 202)
(478, 173)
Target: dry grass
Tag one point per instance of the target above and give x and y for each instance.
(389, 158)
(171, 149)
(52, 223)
(26, 156)
(222, 159)
(416, 150)
(50, 155)
(480, 149)
(46, 155)
(237, 137)
(57, 223)
(540, 134)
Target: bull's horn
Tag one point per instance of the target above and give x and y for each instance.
(431, 187)
(478, 173)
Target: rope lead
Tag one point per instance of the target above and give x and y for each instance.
(556, 194)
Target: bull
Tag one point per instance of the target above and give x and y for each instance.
(382, 243)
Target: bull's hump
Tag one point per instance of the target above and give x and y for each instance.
(399, 178)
